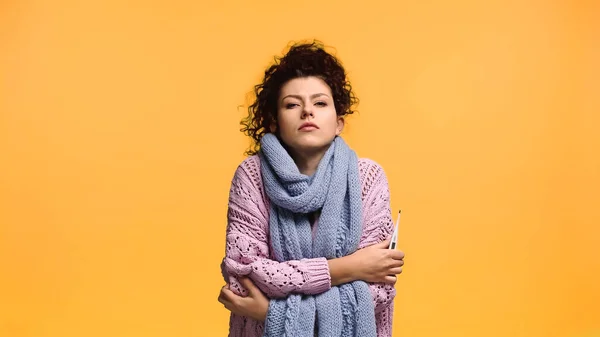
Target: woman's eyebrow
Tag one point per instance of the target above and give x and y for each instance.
(313, 96)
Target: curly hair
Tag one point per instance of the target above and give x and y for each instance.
(302, 60)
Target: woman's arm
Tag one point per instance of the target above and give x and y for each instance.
(378, 227)
(247, 248)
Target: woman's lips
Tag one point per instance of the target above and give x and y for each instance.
(308, 127)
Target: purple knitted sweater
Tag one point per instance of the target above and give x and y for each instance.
(248, 250)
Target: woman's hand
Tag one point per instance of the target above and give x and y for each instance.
(374, 264)
(255, 305)
(377, 263)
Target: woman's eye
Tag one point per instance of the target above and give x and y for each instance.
(321, 104)
(290, 105)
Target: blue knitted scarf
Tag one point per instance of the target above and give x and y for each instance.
(345, 310)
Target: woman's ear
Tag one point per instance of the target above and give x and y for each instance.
(340, 125)
(274, 123)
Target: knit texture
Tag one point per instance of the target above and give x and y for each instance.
(344, 310)
(248, 250)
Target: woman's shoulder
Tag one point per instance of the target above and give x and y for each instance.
(372, 175)
(248, 172)
(247, 184)
(369, 168)
(250, 163)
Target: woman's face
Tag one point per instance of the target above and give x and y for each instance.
(307, 120)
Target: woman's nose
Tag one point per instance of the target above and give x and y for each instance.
(307, 111)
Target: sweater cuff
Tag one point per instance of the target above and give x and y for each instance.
(317, 277)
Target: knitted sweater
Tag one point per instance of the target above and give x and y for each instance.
(248, 248)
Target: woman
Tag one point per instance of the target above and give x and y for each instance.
(308, 222)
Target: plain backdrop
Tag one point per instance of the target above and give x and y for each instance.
(119, 136)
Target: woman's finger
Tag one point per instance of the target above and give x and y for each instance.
(229, 306)
(233, 301)
(390, 279)
(396, 254)
(224, 301)
(220, 298)
(396, 263)
(395, 271)
(229, 295)
(249, 285)
(228, 302)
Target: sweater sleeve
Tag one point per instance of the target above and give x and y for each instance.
(378, 226)
(247, 244)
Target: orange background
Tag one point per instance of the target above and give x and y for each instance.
(119, 137)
